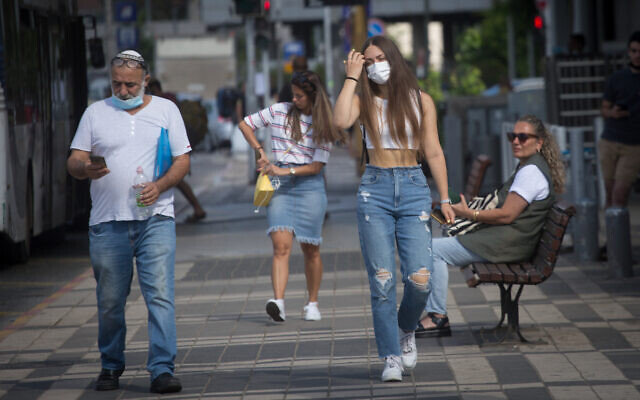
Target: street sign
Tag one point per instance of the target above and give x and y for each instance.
(126, 11)
(375, 27)
(294, 48)
(127, 37)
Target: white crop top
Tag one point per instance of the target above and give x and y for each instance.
(386, 139)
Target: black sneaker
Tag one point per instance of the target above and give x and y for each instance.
(108, 379)
(166, 383)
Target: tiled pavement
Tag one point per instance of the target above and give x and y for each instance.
(228, 349)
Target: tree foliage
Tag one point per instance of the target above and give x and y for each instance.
(481, 50)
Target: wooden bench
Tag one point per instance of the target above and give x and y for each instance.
(475, 178)
(532, 272)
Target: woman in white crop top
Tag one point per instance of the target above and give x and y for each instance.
(394, 200)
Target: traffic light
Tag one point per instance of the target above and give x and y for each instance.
(538, 22)
(262, 32)
(253, 7)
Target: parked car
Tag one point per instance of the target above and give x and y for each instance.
(220, 129)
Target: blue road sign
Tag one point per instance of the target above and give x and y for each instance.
(126, 11)
(294, 48)
(127, 37)
(375, 27)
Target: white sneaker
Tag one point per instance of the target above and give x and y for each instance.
(311, 312)
(392, 369)
(409, 349)
(275, 309)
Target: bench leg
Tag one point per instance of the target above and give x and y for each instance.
(512, 310)
(509, 308)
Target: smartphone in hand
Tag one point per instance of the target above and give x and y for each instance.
(436, 214)
(98, 160)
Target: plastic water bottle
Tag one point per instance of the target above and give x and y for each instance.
(139, 182)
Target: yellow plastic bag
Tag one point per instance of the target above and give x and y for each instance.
(264, 191)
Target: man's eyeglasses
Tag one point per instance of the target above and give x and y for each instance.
(119, 62)
(522, 137)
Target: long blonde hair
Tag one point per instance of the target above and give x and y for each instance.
(403, 99)
(550, 151)
(321, 111)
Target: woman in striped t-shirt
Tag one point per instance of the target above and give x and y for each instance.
(301, 139)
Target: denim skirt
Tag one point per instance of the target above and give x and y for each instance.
(298, 206)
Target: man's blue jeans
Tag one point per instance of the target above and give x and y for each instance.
(446, 251)
(393, 209)
(112, 246)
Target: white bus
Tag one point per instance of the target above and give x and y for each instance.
(43, 92)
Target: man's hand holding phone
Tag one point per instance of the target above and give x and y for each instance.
(96, 167)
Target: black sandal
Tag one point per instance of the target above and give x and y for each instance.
(442, 327)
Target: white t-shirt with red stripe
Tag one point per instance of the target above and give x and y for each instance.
(304, 152)
(127, 141)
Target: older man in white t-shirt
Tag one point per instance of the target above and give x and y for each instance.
(124, 131)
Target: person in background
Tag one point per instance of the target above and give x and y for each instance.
(619, 148)
(155, 89)
(576, 44)
(508, 233)
(301, 141)
(124, 129)
(394, 201)
(298, 64)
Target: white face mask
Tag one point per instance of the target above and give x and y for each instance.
(379, 72)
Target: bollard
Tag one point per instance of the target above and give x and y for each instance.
(576, 141)
(618, 242)
(585, 230)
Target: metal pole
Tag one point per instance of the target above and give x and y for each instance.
(267, 77)
(110, 43)
(328, 59)
(279, 55)
(531, 61)
(549, 23)
(359, 26)
(511, 48)
(250, 95)
(427, 49)
(598, 127)
(577, 162)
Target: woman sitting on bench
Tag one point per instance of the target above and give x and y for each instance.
(507, 233)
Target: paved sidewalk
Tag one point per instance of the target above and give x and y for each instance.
(229, 349)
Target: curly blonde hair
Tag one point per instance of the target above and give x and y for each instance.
(550, 151)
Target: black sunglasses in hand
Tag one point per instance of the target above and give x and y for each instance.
(522, 137)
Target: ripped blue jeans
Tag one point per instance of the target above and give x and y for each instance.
(393, 209)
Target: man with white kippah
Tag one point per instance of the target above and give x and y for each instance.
(115, 138)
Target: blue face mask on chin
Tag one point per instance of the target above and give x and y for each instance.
(126, 104)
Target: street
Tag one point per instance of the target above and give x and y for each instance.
(584, 326)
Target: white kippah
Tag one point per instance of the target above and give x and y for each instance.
(130, 54)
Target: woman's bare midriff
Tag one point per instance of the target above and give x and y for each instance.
(389, 158)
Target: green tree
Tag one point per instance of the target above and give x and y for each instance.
(483, 46)
(466, 78)
(432, 84)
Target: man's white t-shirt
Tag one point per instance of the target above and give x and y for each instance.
(127, 141)
(530, 184)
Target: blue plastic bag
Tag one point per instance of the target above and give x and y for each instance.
(163, 155)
